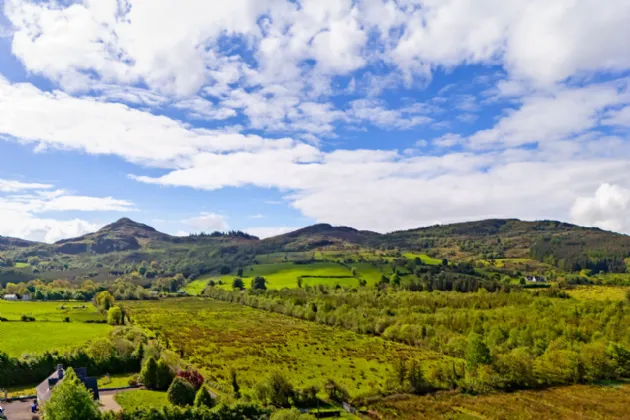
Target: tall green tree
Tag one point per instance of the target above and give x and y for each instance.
(203, 398)
(148, 374)
(477, 352)
(163, 375)
(181, 392)
(70, 400)
(259, 283)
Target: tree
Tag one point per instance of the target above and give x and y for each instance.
(203, 398)
(163, 376)
(280, 390)
(181, 392)
(354, 271)
(400, 369)
(419, 384)
(444, 262)
(258, 283)
(237, 283)
(239, 272)
(395, 279)
(477, 352)
(628, 295)
(71, 400)
(335, 391)
(115, 316)
(235, 386)
(292, 414)
(148, 374)
(104, 300)
(299, 282)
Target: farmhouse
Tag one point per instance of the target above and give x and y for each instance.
(10, 297)
(44, 390)
(534, 279)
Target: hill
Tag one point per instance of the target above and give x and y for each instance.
(317, 236)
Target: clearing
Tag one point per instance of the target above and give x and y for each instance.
(50, 311)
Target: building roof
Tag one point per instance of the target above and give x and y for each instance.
(44, 390)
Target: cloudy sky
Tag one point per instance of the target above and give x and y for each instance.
(266, 115)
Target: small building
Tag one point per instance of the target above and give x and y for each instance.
(534, 279)
(10, 297)
(26, 297)
(44, 390)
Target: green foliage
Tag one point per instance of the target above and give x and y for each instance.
(292, 414)
(115, 316)
(148, 374)
(221, 412)
(277, 390)
(477, 352)
(258, 283)
(181, 392)
(236, 389)
(335, 391)
(104, 300)
(203, 398)
(70, 400)
(163, 375)
(238, 284)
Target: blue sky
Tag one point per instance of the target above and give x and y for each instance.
(270, 115)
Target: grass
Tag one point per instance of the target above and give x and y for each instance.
(217, 336)
(285, 274)
(423, 257)
(566, 403)
(20, 391)
(115, 381)
(599, 292)
(141, 398)
(22, 265)
(50, 311)
(195, 287)
(19, 338)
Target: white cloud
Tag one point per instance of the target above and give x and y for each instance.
(22, 205)
(608, 209)
(207, 222)
(7, 186)
(270, 231)
(619, 117)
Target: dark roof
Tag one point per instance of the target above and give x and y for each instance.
(44, 390)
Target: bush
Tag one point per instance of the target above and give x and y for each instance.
(181, 392)
(163, 376)
(203, 398)
(148, 375)
(193, 376)
(26, 318)
(237, 283)
(335, 391)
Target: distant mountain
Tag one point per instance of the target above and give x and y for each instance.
(317, 236)
(122, 235)
(8, 242)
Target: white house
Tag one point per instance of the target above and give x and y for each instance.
(26, 297)
(10, 297)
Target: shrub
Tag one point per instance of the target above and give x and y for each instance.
(335, 391)
(193, 376)
(237, 283)
(115, 316)
(163, 376)
(181, 392)
(26, 318)
(148, 375)
(203, 398)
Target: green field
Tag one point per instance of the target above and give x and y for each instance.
(141, 398)
(217, 336)
(18, 338)
(285, 274)
(22, 265)
(50, 311)
(599, 292)
(115, 381)
(195, 287)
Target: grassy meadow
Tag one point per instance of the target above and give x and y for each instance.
(218, 336)
(18, 338)
(562, 403)
(141, 398)
(50, 311)
(599, 292)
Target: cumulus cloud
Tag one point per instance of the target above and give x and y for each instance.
(269, 231)
(608, 209)
(207, 222)
(23, 207)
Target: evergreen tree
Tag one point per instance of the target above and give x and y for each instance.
(163, 376)
(203, 398)
(148, 374)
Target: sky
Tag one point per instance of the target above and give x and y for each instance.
(269, 115)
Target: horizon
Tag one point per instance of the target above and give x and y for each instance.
(270, 116)
(315, 224)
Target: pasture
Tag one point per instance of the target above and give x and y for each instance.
(599, 292)
(217, 336)
(564, 403)
(19, 338)
(141, 398)
(50, 311)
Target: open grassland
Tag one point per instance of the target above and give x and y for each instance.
(195, 287)
(620, 279)
(599, 292)
(18, 338)
(141, 398)
(567, 403)
(50, 311)
(22, 265)
(218, 336)
(285, 274)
